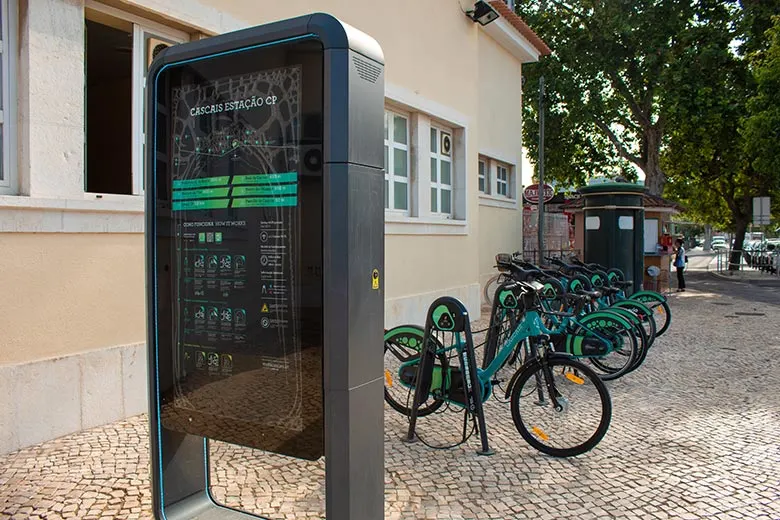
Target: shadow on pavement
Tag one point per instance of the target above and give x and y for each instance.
(705, 281)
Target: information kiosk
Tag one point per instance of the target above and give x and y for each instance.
(265, 247)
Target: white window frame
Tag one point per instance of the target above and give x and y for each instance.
(390, 176)
(8, 11)
(437, 184)
(503, 184)
(142, 28)
(483, 175)
(495, 181)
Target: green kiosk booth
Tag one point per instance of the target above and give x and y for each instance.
(614, 228)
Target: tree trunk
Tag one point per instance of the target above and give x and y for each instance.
(741, 223)
(655, 178)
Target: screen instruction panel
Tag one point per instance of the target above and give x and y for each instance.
(245, 220)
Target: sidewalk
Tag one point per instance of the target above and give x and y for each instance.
(693, 435)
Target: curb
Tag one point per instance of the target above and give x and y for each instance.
(761, 282)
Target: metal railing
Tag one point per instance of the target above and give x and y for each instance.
(533, 256)
(765, 261)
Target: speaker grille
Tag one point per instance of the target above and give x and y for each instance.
(365, 69)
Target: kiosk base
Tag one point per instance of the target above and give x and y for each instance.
(201, 507)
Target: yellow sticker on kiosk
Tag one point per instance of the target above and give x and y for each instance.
(375, 279)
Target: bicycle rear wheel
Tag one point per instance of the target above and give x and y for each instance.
(645, 314)
(661, 311)
(561, 407)
(402, 347)
(643, 342)
(621, 334)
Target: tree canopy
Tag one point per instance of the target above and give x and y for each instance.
(688, 91)
(606, 77)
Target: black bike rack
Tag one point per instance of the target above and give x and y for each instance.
(448, 314)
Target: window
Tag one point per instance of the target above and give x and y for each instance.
(626, 222)
(592, 223)
(502, 180)
(441, 171)
(7, 94)
(396, 162)
(484, 184)
(499, 185)
(119, 48)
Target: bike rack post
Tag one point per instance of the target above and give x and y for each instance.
(448, 314)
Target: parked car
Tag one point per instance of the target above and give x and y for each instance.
(719, 243)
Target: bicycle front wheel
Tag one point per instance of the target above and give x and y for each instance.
(561, 408)
(489, 291)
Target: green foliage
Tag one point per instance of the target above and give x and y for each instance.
(605, 76)
(686, 90)
(724, 121)
(762, 126)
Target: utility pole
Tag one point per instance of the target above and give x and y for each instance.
(541, 169)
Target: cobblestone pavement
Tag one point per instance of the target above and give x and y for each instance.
(695, 434)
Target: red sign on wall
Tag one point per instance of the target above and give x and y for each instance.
(531, 193)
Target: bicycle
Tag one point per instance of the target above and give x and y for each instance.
(552, 380)
(636, 340)
(656, 302)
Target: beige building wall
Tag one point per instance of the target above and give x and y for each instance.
(70, 293)
(73, 314)
(500, 115)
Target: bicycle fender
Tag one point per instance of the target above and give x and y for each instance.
(652, 294)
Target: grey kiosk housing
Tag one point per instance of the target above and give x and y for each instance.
(264, 258)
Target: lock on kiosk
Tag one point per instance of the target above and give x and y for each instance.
(264, 245)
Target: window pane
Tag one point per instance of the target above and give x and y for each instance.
(501, 188)
(482, 184)
(387, 162)
(481, 169)
(434, 141)
(434, 200)
(399, 195)
(386, 118)
(387, 194)
(445, 173)
(109, 140)
(445, 201)
(434, 172)
(399, 162)
(399, 129)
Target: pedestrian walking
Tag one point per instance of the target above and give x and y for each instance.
(679, 263)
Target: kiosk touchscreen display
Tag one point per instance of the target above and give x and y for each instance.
(239, 218)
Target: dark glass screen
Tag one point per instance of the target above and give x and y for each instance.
(239, 247)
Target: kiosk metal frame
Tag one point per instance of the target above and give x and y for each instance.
(353, 260)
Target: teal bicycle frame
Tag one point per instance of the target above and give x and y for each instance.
(531, 325)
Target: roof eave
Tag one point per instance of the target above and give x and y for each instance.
(519, 26)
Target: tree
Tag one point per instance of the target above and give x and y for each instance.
(605, 81)
(723, 121)
(762, 126)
